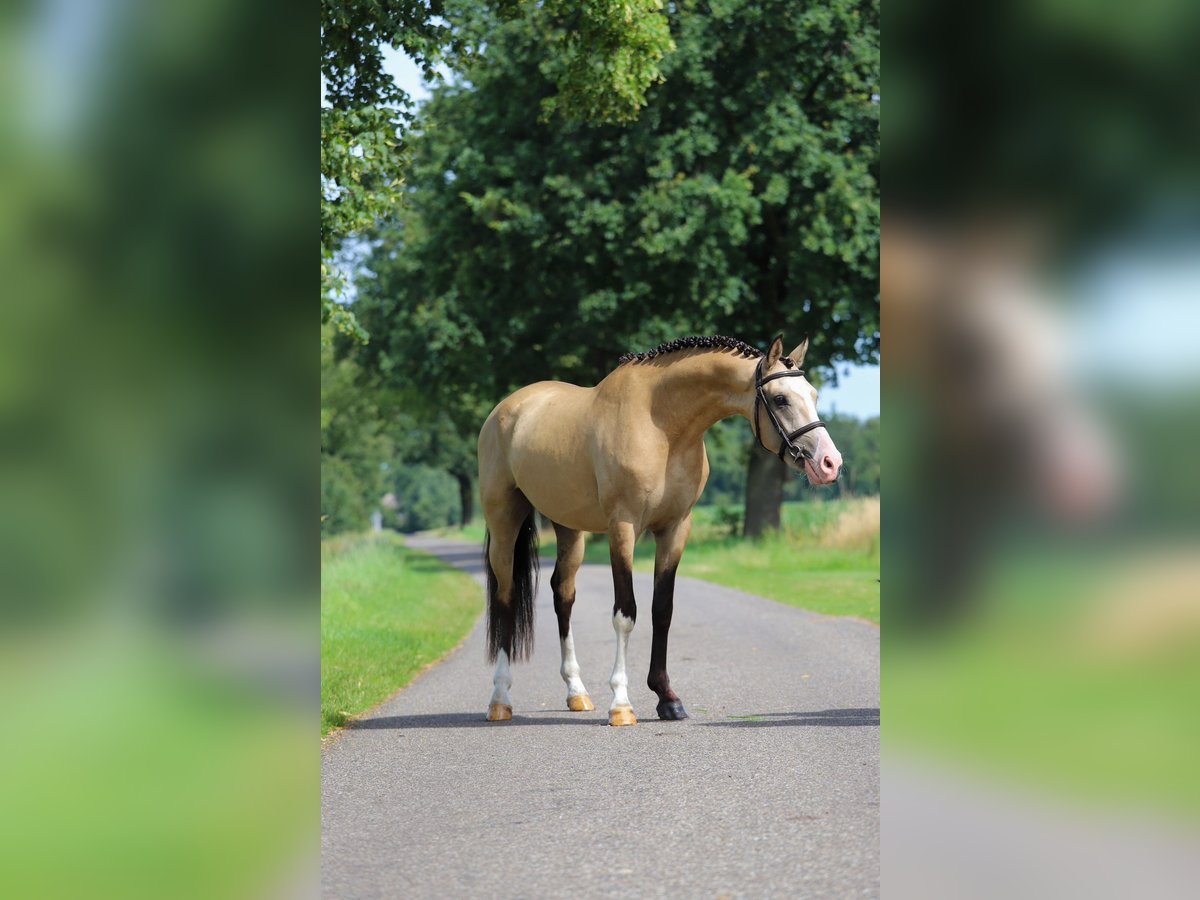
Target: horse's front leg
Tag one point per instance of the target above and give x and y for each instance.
(668, 551)
(621, 538)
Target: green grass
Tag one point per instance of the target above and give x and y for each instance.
(834, 582)
(386, 613)
(1024, 691)
(148, 767)
(1025, 705)
(793, 566)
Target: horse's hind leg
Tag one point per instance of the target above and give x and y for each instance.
(570, 555)
(510, 526)
(668, 551)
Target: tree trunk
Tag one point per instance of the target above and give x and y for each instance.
(765, 478)
(466, 498)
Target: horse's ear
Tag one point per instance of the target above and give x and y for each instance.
(773, 354)
(797, 355)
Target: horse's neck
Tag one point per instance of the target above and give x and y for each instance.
(691, 394)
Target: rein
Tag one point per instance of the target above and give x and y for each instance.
(785, 439)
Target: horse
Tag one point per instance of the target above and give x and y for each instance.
(625, 457)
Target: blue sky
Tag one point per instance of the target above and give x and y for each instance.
(857, 393)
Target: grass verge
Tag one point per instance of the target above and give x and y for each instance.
(142, 768)
(1038, 688)
(386, 613)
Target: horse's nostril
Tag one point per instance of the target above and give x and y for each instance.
(827, 463)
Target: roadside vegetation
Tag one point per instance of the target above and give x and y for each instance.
(1076, 672)
(387, 612)
(825, 558)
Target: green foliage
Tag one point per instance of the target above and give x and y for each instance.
(602, 55)
(354, 443)
(353, 33)
(859, 444)
(743, 200)
(728, 444)
(363, 155)
(426, 497)
(346, 502)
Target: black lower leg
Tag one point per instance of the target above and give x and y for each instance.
(623, 599)
(562, 609)
(670, 707)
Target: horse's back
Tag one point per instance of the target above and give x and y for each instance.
(537, 406)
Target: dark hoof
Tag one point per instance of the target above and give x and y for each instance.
(671, 710)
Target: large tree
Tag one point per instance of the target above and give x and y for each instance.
(600, 55)
(743, 200)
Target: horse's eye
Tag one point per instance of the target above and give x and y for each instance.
(781, 400)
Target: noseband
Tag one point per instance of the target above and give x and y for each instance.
(785, 439)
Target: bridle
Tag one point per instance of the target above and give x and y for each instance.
(785, 439)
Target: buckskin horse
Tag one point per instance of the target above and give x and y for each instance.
(625, 457)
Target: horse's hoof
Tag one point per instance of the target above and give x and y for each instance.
(671, 710)
(580, 703)
(499, 712)
(622, 715)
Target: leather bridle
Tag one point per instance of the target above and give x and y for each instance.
(785, 439)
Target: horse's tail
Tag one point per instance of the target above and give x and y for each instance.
(510, 626)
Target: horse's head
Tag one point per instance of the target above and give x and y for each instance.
(785, 415)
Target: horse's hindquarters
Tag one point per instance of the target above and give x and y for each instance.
(548, 451)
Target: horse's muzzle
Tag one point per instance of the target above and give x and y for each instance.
(824, 463)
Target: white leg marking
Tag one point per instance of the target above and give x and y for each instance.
(619, 682)
(570, 668)
(502, 680)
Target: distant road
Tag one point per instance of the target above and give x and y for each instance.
(771, 789)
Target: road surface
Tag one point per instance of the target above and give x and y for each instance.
(771, 788)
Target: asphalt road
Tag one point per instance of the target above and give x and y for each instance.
(770, 789)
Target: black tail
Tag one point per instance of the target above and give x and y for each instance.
(510, 628)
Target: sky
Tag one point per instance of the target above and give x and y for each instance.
(857, 393)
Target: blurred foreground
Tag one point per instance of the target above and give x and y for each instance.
(158, 579)
(1041, 267)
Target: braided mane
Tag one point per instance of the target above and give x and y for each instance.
(710, 342)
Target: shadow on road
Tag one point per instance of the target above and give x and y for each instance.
(466, 720)
(825, 718)
(470, 562)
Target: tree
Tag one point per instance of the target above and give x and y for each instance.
(434, 438)
(859, 444)
(425, 498)
(363, 121)
(743, 200)
(355, 444)
(602, 56)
